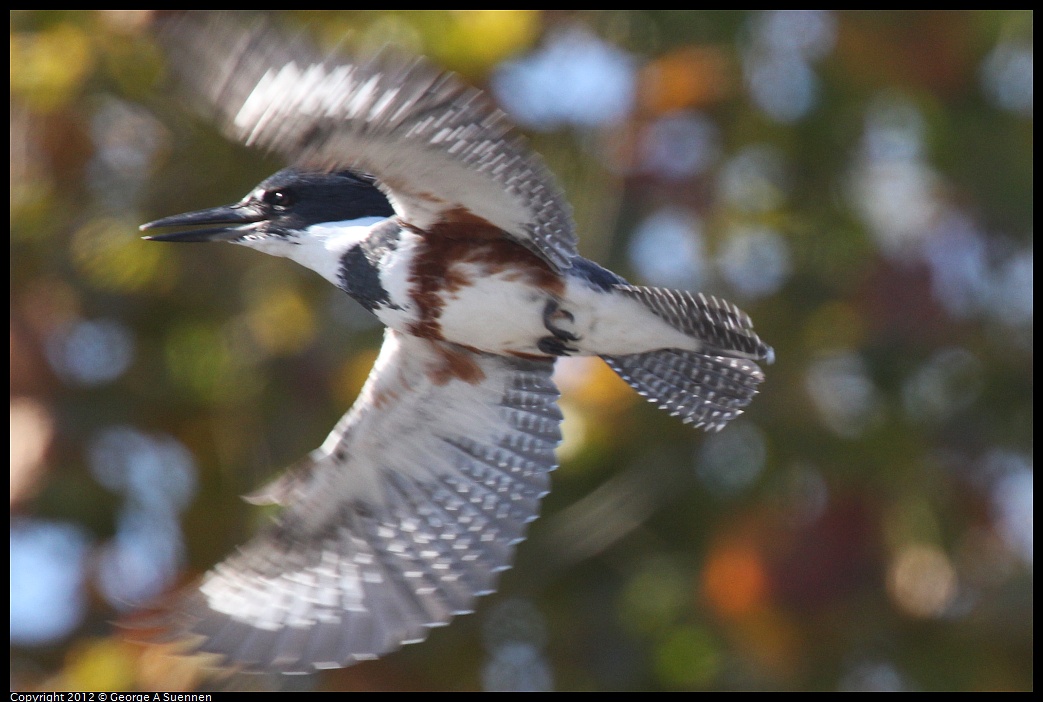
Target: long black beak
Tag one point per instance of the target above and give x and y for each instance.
(230, 215)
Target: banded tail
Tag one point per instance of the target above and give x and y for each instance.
(709, 387)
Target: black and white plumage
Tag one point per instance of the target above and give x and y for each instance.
(418, 497)
(406, 513)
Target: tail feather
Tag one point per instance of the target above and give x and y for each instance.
(722, 327)
(707, 391)
(711, 386)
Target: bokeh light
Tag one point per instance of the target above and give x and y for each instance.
(755, 261)
(1012, 499)
(872, 676)
(157, 477)
(574, 79)
(922, 581)
(729, 462)
(809, 33)
(777, 63)
(32, 431)
(845, 396)
(667, 249)
(754, 179)
(515, 636)
(126, 140)
(680, 145)
(91, 352)
(688, 658)
(735, 580)
(1007, 77)
(946, 384)
(154, 471)
(48, 562)
(895, 190)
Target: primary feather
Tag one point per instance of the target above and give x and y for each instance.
(439, 146)
(402, 518)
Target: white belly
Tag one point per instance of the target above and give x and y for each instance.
(496, 313)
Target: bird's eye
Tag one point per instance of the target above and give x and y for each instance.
(278, 198)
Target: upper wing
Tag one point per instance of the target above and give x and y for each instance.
(446, 157)
(406, 513)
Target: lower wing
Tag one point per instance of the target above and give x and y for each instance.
(405, 515)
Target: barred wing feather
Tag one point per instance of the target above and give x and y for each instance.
(402, 518)
(442, 152)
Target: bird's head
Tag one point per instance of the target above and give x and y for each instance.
(285, 210)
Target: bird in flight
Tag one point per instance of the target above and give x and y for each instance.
(410, 191)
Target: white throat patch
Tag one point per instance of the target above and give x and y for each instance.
(320, 246)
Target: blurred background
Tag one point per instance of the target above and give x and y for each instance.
(859, 182)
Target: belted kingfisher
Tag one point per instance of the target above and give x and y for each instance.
(411, 193)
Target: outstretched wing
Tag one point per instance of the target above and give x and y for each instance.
(406, 513)
(448, 159)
